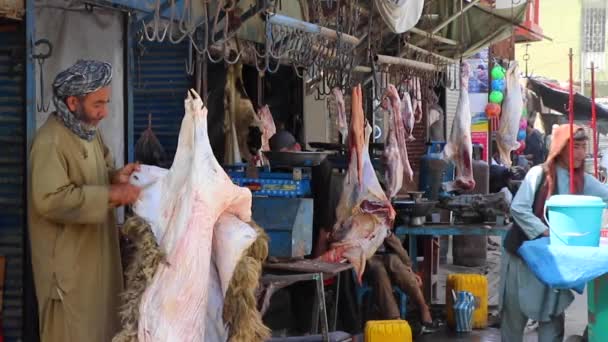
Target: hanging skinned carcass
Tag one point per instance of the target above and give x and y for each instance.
(192, 209)
(364, 214)
(459, 147)
(243, 127)
(512, 107)
(148, 149)
(395, 152)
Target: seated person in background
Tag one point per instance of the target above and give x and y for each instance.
(283, 141)
(535, 145)
(391, 264)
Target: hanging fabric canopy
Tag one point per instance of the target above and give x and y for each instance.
(400, 15)
(556, 98)
(482, 25)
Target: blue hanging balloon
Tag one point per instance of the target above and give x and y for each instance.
(521, 135)
(498, 85)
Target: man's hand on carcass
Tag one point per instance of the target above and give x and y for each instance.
(123, 194)
(546, 232)
(122, 175)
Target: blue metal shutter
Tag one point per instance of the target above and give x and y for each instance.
(12, 177)
(160, 83)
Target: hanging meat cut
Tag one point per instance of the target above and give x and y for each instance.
(341, 108)
(268, 127)
(459, 146)
(416, 94)
(357, 133)
(395, 151)
(364, 214)
(513, 104)
(407, 114)
(192, 196)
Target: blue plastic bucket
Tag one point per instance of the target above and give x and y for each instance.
(575, 220)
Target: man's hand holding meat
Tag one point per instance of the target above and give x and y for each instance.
(121, 192)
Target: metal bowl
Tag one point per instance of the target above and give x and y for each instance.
(295, 159)
(409, 208)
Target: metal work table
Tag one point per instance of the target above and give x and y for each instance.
(438, 229)
(311, 270)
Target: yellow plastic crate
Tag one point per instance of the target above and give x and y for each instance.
(388, 331)
(476, 284)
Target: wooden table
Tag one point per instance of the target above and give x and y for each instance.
(438, 229)
(311, 270)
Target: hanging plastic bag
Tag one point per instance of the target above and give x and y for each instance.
(148, 149)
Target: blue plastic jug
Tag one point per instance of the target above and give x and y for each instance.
(464, 305)
(575, 220)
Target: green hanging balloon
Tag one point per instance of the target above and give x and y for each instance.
(496, 97)
(498, 72)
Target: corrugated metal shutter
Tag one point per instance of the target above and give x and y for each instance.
(451, 100)
(160, 85)
(12, 171)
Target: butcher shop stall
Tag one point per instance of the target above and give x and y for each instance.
(311, 170)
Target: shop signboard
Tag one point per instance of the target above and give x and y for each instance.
(478, 98)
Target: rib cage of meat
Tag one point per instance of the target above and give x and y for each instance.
(506, 137)
(364, 214)
(196, 192)
(459, 146)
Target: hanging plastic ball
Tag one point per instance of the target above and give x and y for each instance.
(523, 124)
(492, 110)
(496, 97)
(498, 85)
(524, 113)
(498, 73)
(521, 135)
(522, 147)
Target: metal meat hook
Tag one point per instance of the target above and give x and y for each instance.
(40, 58)
(189, 63)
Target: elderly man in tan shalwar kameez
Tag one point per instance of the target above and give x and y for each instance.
(74, 190)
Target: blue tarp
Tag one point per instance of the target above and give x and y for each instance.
(564, 267)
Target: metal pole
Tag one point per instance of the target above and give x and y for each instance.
(594, 119)
(383, 59)
(279, 19)
(571, 119)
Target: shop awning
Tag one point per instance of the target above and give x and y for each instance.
(556, 98)
(463, 31)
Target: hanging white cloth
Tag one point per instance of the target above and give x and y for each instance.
(400, 15)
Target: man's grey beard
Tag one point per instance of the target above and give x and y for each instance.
(81, 116)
